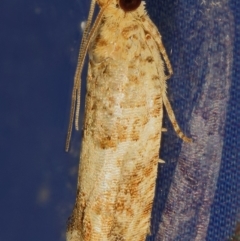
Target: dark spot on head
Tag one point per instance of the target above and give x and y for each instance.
(129, 5)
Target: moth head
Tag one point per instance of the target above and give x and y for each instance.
(129, 5)
(125, 5)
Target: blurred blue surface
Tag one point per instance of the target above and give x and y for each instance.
(39, 46)
(39, 43)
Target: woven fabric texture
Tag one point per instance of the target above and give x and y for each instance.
(197, 195)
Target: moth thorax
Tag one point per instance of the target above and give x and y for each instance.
(129, 5)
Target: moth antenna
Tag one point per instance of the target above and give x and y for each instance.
(83, 53)
(76, 93)
(81, 58)
(77, 77)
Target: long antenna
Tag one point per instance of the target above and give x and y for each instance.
(77, 76)
(76, 93)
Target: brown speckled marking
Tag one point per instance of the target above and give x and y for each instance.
(142, 74)
(107, 142)
(150, 59)
(102, 42)
(155, 77)
(148, 170)
(126, 92)
(134, 79)
(87, 230)
(122, 132)
(143, 46)
(127, 31)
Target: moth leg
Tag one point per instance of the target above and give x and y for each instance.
(165, 57)
(162, 50)
(173, 120)
(164, 129)
(161, 161)
(158, 39)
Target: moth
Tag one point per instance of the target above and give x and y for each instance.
(126, 92)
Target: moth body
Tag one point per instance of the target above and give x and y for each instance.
(126, 92)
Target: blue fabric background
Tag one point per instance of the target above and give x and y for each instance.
(186, 33)
(39, 43)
